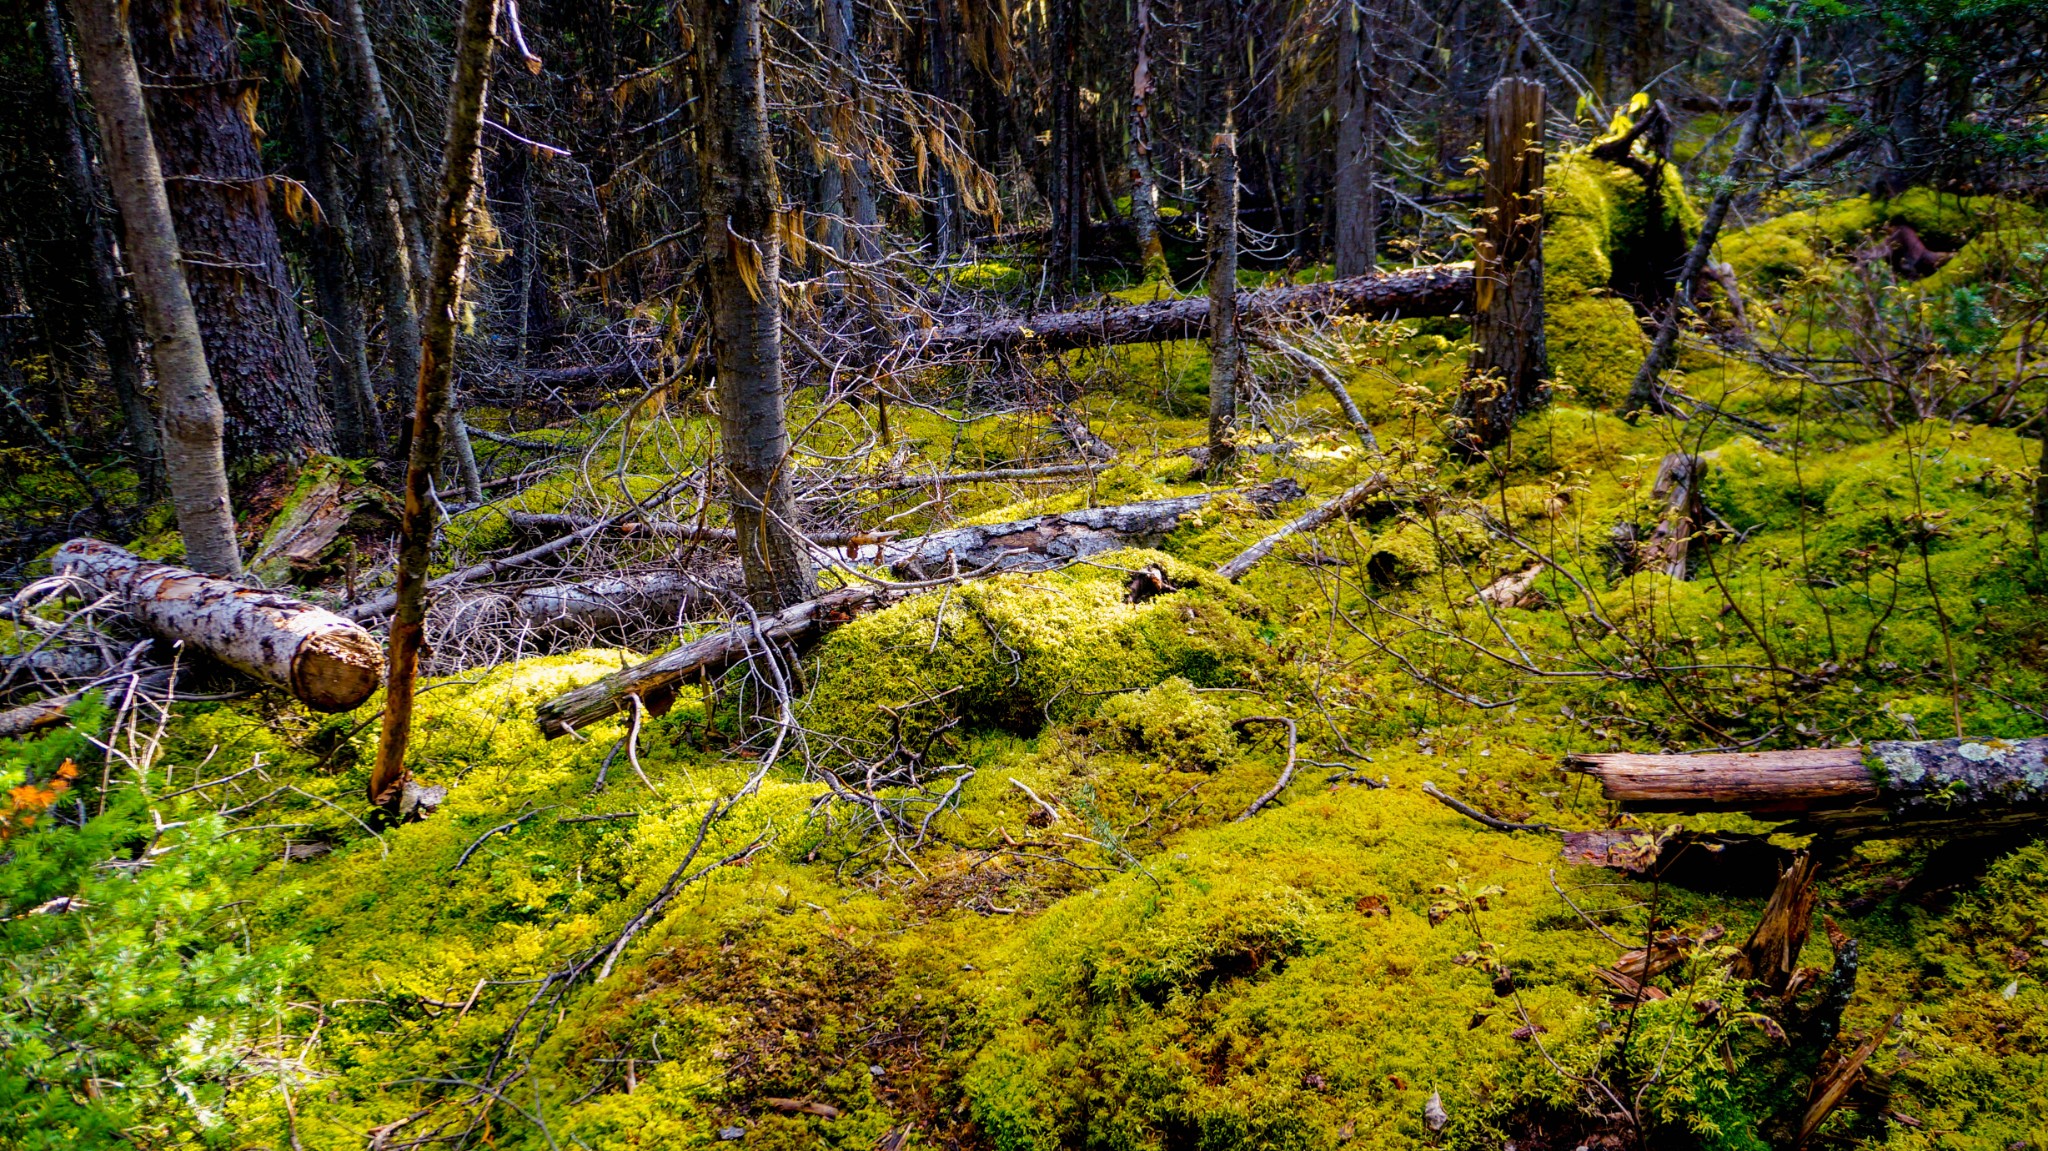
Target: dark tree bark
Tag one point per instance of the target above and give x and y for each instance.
(192, 418)
(358, 425)
(1226, 351)
(742, 278)
(202, 112)
(117, 324)
(1509, 362)
(453, 219)
(1069, 191)
(1356, 200)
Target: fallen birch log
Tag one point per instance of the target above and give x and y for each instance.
(323, 660)
(1438, 290)
(1035, 544)
(1940, 786)
(545, 523)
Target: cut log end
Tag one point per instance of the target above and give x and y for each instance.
(337, 670)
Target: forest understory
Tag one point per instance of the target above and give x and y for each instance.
(1084, 620)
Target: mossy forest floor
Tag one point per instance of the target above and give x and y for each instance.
(1046, 926)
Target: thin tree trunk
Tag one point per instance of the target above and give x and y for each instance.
(1224, 347)
(1357, 194)
(856, 184)
(1069, 203)
(192, 416)
(1144, 184)
(387, 190)
(742, 274)
(117, 324)
(1509, 362)
(358, 424)
(454, 217)
(202, 118)
(1642, 392)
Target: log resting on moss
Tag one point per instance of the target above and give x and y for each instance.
(1036, 544)
(323, 660)
(1939, 786)
(1437, 290)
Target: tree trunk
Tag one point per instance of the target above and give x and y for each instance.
(323, 660)
(1068, 200)
(743, 274)
(1357, 194)
(1642, 391)
(389, 192)
(358, 425)
(117, 324)
(1509, 364)
(862, 238)
(192, 416)
(1225, 350)
(1440, 290)
(202, 112)
(454, 216)
(1942, 786)
(1144, 184)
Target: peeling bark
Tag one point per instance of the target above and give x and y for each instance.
(323, 660)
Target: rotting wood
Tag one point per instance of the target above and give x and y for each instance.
(1942, 786)
(550, 523)
(1321, 373)
(1771, 953)
(1509, 362)
(1035, 544)
(324, 661)
(1316, 517)
(1670, 541)
(1436, 290)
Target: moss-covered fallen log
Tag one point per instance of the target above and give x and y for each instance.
(1940, 786)
(323, 660)
(1437, 290)
(1035, 544)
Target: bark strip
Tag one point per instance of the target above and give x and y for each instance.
(323, 660)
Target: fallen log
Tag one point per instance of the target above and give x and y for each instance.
(1932, 787)
(549, 523)
(1059, 538)
(323, 660)
(654, 682)
(1437, 290)
(1035, 544)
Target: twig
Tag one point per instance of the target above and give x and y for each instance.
(1286, 774)
(1470, 812)
(471, 849)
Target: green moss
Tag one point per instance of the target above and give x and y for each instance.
(1169, 723)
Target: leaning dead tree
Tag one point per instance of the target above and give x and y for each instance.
(433, 404)
(323, 660)
(1955, 787)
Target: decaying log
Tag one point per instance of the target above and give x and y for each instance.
(1922, 787)
(654, 682)
(323, 660)
(610, 602)
(1036, 544)
(1678, 486)
(1437, 290)
(552, 523)
(1309, 521)
(1059, 538)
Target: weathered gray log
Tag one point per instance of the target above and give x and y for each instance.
(550, 523)
(1309, 521)
(323, 660)
(1059, 538)
(1670, 543)
(1437, 290)
(654, 682)
(609, 602)
(1035, 544)
(1941, 786)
